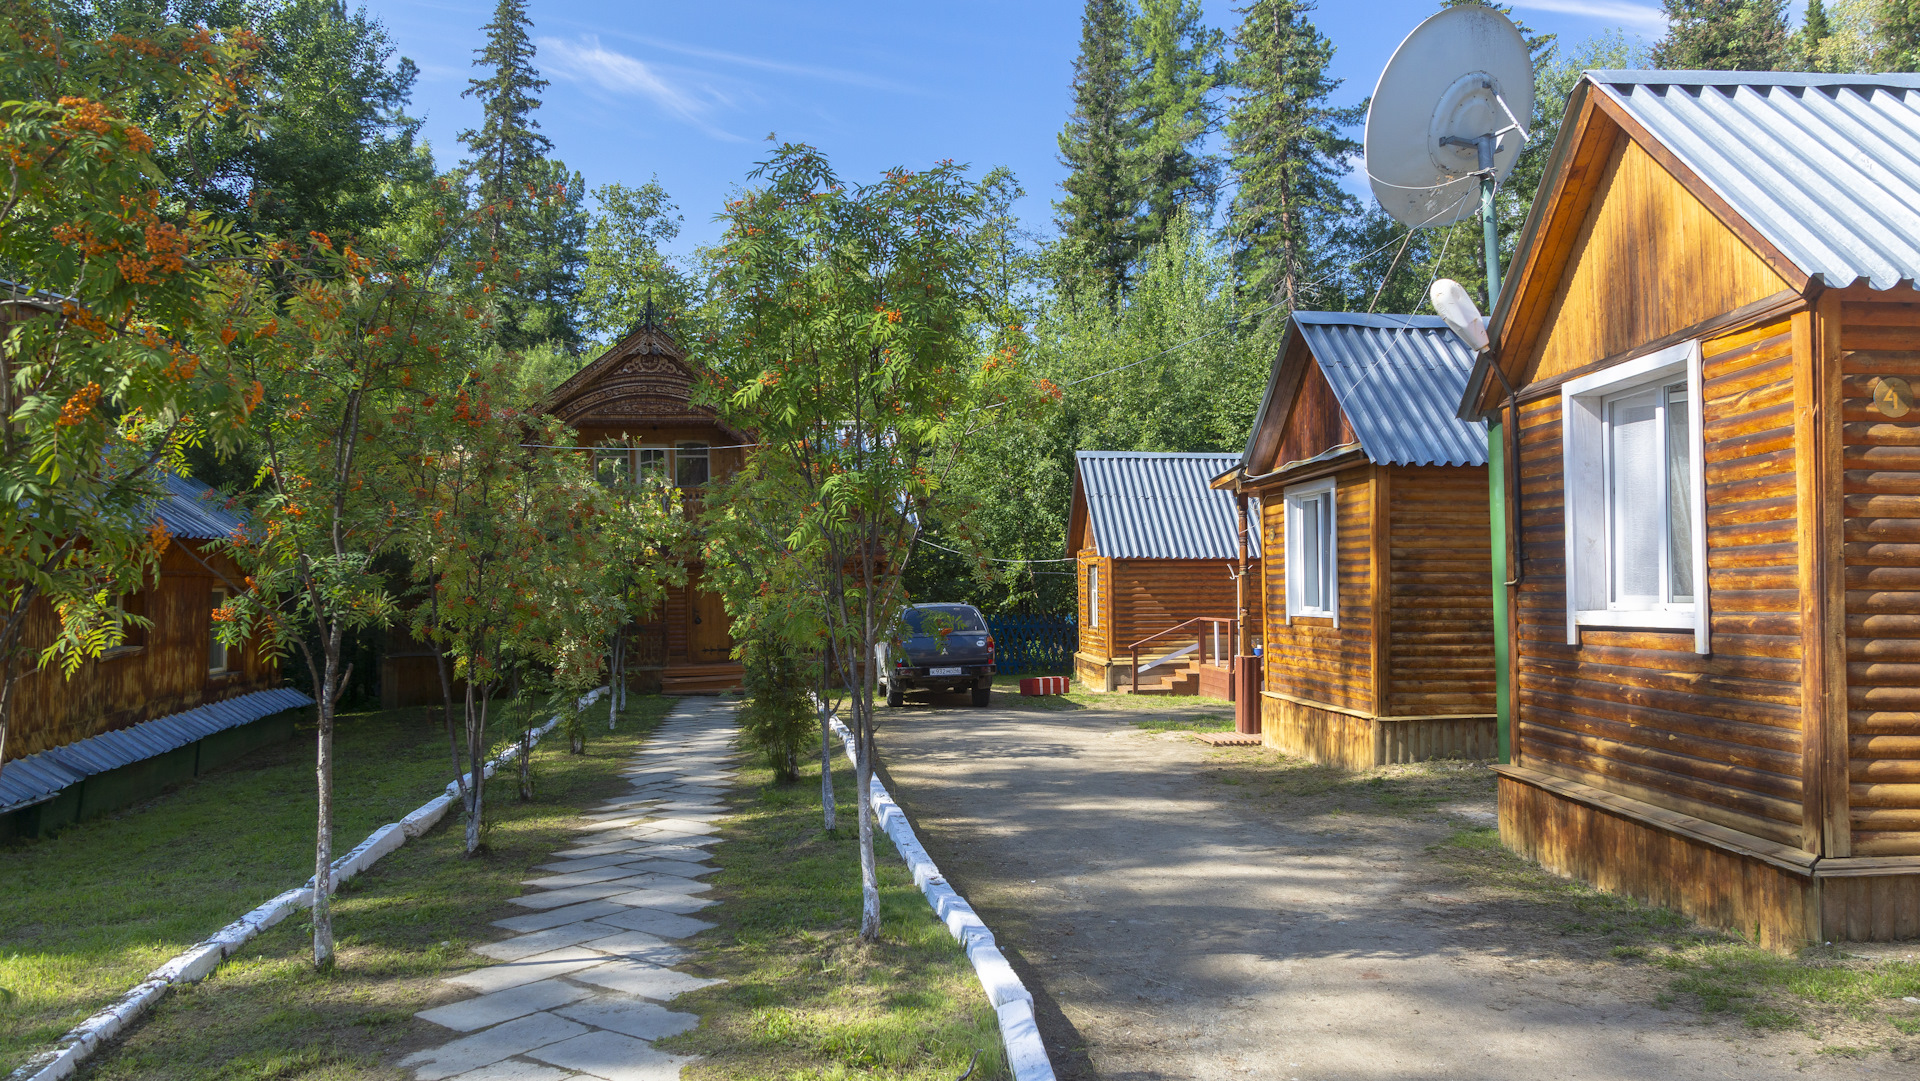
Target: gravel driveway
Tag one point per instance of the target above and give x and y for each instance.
(1169, 928)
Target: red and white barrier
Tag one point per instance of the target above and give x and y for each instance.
(1042, 685)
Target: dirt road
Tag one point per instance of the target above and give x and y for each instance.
(1170, 927)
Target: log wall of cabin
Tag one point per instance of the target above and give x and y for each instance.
(1881, 549)
(1439, 622)
(1315, 423)
(1638, 712)
(164, 674)
(1309, 658)
(1148, 596)
(1096, 635)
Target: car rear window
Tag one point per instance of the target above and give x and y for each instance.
(934, 619)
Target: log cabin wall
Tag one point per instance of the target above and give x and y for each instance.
(1638, 712)
(1096, 634)
(1152, 595)
(1439, 611)
(1881, 549)
(1308, 657)
(165, 672)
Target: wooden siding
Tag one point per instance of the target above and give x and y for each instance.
(1151, 595)
(1439, 624)
(1637, 712)
(1881, 462)
(1310, 658)
(1314, 422)
(1095, 638)
(165, 674)
(1648, 260)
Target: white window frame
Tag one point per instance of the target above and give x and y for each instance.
(1093, 596)
(1325, 489)
(1587, 527)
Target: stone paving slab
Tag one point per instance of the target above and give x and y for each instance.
(577, 994)
(472, 1013)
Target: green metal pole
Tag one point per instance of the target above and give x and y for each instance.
(1490, 236)
(1497, 487)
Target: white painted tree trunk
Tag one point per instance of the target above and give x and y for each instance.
(323, 828)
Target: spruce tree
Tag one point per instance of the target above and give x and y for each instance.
(1725, 35)
(508, 143)
(1815, 29)
(551, 236)
(1176, 66)
(1098, 236)
(1289, 152)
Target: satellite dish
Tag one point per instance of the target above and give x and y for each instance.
(1448, 108)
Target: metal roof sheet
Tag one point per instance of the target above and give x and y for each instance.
(1146, 505)
(194, 511)
(39, 777)
(1826, 167)
(1399, 379)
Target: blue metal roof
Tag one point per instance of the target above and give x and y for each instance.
(1146, 505)
(1826, 167)
(1399, 379)
(39, 777)
(194, 511)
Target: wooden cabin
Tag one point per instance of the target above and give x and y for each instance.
(1372, 494)
(1712, 335)
(169, 703)
(641, 389)
(1156, 548)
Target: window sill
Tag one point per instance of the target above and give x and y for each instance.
(1644, 620)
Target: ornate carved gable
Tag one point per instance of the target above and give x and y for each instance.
(643, 378)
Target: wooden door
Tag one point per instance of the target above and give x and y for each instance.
(709, 631)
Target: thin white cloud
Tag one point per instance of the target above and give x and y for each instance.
(1638, 17)
(811, 71)
(588, 62)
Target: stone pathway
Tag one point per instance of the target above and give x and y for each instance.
(580, 990)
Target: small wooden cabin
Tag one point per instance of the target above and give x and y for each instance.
(1372, 495)
(168, 703)
(1712, 335)
(641, 389)
(1155, 547)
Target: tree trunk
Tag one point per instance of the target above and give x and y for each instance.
(446, 704)
(526, 766)
(613, 694)
(826, 756)
(863, 807)
(476, 779)
(323, 823)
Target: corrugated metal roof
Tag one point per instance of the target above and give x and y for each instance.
(1145, 505)
(39, 777)
(1826, 167)
(194, 511)
(1399, 379)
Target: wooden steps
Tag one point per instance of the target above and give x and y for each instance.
(1180, 679)
(702, 678)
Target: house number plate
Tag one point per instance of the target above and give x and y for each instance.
(1893, 396)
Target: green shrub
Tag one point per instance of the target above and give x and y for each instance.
(779, 714)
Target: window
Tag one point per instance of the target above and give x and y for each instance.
(216, 653)
(1311, 551)
(1093, 594)
(1635, 541)
(611, 467)
(690, 465)
(133, 635)
(653, 462)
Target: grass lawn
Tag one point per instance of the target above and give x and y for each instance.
(87, 914)
(1854, 998)
(803, 997)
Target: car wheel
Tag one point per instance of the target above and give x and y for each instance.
(896, 695)
(981, 695)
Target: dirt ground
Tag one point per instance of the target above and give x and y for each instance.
(1169, 926)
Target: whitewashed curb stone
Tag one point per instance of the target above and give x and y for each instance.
(1012, 1002)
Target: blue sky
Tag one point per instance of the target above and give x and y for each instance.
(690, 91)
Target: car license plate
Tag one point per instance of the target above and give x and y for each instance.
(945, 671)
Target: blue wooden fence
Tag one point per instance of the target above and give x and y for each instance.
(1033, 645)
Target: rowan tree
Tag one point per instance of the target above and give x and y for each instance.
(118, 324)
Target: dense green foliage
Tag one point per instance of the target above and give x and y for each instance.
(1725, 35)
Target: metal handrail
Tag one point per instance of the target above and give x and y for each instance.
(1134, 649)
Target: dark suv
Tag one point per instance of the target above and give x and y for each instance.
(939, 647)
